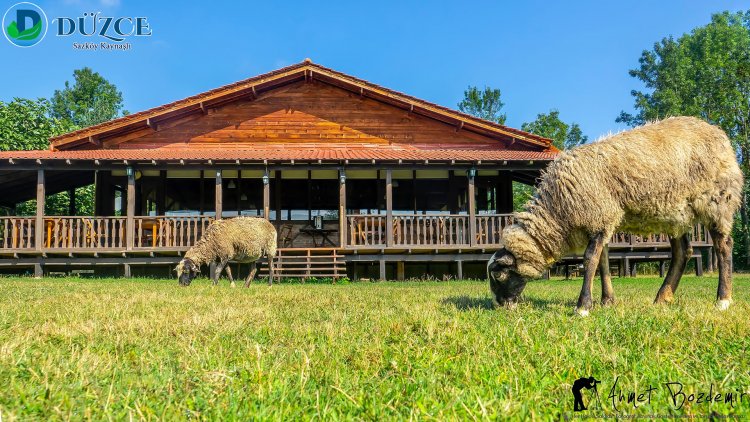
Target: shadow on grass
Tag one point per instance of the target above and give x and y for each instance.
(466, 303)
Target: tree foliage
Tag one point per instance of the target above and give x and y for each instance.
(549, 125)
(485, 104)
(28, 124)
(90, 100)
(705, 73)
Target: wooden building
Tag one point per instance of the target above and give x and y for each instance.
(358, 179)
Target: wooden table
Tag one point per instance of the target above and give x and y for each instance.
(323, 233)
(152, 225)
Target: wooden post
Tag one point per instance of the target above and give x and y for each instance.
(39, 228)
(71, 202)
(266, 198)
(389, 208)
(699, 264)
(661, 268)
(219, 196)
(472, 214)
(130, 213)
(239, 192)
(277, 196)
(460, 269)
(710, 259)
(127, 270)
(161, 193)
(342, 208)
(382, 269)
(202, 193)
(38, 270)
(400, 270)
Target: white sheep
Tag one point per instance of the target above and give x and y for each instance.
(241, 239)
(662, 177)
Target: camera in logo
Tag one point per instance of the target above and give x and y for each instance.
(25, 24)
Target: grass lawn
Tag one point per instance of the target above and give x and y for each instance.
(78, 349)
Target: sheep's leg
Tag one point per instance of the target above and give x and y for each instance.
(217, 272)
(270, 270)
(228, 269)
(608, 292)
(681, 252)
(590, 265)
(723, 244)
(251, 276)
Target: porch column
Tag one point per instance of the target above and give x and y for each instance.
(130, 212)
(389, 207)
(342, 208)
(40, 202)
(266, 197)
(472, 209)
(218, 203)
(71, 202)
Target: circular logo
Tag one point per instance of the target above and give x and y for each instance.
(25, 24)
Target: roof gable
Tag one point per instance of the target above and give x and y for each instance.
(217, 116)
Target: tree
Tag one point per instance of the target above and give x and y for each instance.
(89, 101)
(483, 104)
(25, 124)
(563, 135)
(705, 73)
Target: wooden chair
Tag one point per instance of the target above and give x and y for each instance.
(285, 235)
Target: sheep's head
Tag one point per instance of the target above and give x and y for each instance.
(517, 261)
(506, 282)
(187, 270)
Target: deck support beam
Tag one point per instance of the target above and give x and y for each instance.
(382, 269)
(127, 270)
(266, 198)
(38, 270)
(389, 207)
(472, 212)
(342, 208)
(699, 264)
(460, 269)
(130, 220)
(39, 221)
(218, 203)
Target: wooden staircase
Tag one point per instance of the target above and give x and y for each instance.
(307, 263)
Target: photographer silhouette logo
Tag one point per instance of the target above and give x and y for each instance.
(589, 384)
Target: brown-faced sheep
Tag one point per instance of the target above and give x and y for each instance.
(241, 239)
(662, 177)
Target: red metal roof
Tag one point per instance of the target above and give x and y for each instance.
(283, 154)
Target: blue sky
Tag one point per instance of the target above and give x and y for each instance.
(572, 55)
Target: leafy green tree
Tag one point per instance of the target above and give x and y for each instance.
(549, 125)
(705, 73)
(484, 104)
(563, 135)
(90, 100)
(25, 124)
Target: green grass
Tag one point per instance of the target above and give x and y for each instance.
(148, 349)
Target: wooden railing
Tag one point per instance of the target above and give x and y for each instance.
(84, 232)
(178, 233)
(174, 232)
(17, 232)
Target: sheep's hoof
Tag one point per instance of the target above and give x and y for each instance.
(723, 304)
(583, 312)
(606, 301)
(663, 300)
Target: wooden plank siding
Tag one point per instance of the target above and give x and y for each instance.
(307, 115)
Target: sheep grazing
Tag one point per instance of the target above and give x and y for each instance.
(241, 239)
(662, 177)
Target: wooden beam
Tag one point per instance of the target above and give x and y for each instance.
(389, 207)
(266, 199)
(342, 208)
(40, 202)
(130, 213)
(218, 203)
(472, 213)
(72, 202)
